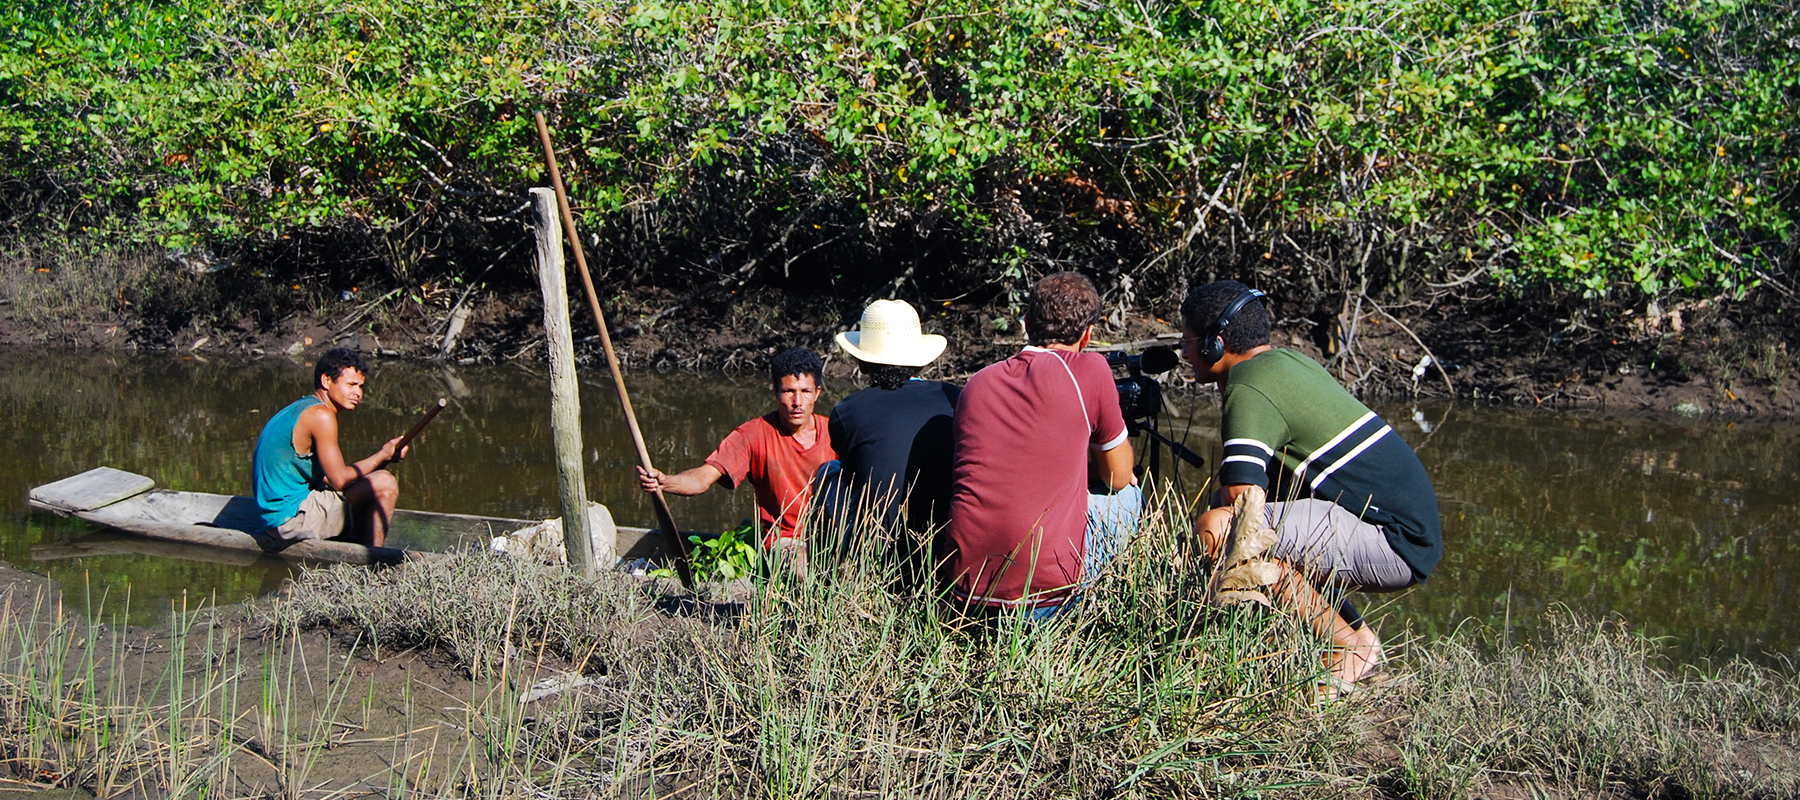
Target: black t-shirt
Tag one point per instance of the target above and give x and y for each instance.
(896, 443)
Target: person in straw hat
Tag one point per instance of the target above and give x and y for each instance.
(893, 438)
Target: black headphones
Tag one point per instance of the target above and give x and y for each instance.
(1211, 346)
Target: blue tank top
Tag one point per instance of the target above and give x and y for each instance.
(283, 477)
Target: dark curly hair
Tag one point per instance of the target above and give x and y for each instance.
(1062, 307)
(335, 361)
(796, 361)
(1249, 327)
(887, 376)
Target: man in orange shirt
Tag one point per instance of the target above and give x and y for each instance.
(778, 452)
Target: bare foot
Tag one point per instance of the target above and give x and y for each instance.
(1353, 663)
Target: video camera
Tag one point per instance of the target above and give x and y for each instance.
(1141, 400)
(1140, 396)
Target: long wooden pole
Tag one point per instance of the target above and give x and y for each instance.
(673, 539)
(430, 414)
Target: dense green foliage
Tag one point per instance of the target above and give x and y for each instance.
(731, 555)
(1629, 148)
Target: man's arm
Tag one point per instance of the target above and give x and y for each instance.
(1110, 467)
(321, 426)
(1227, 496)
(1253, 431)
(686, 483)
(1113, 467)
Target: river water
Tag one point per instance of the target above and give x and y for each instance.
(1684, 527)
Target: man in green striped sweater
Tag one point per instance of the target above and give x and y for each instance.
(1349, 499)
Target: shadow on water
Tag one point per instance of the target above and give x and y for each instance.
(1685, 527)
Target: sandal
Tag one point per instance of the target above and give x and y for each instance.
(1377, 663)
(1332, 689)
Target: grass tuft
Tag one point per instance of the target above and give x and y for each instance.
(846, 683)
(838, 684)
(1592, 707)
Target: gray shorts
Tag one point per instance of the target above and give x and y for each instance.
(321, 516)
(1331, 545)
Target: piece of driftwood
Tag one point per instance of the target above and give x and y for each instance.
(232, 523)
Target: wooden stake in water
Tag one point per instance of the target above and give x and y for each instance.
(565, 398)
(673, 541)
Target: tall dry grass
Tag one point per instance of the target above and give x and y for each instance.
(840, 684)
(1593, 706)
(850, 682)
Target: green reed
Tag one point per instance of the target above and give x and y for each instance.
(851, 679)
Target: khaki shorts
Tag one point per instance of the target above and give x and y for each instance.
(322, 515)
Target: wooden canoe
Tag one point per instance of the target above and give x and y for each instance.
(132, 505)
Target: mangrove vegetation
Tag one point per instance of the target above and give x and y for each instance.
(1569, 172)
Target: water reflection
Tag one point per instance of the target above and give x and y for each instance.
(1685, 527)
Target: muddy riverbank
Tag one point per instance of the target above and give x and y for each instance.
(478, 676)
(1710, 357)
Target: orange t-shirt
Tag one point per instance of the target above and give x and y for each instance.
(777, 466)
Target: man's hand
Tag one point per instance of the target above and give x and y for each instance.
(1226, 496)
(650, 480)
(685, 484)
(388, 454)
(1214, 527)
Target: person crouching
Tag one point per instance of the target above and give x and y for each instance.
(1348, 499)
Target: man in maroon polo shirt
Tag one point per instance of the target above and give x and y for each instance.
(1031, 434)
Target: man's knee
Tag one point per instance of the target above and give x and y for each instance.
(383, 485)
(1213, 527)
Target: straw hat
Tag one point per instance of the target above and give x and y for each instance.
(890, 335)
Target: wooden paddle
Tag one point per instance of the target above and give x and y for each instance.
(430, 414)
(665, 520)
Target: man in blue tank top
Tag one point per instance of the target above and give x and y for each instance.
(303, 487)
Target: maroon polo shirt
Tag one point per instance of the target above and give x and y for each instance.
(1018, 504)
